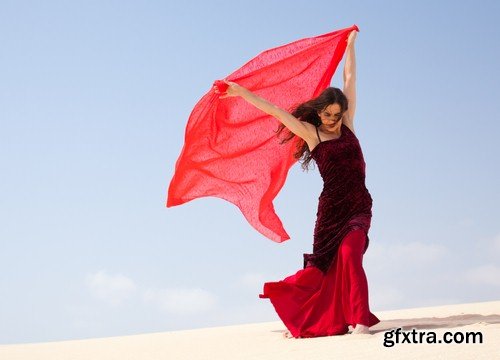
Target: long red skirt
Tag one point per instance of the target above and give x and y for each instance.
(313, 304)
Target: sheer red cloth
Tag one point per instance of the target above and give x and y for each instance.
(231, 149)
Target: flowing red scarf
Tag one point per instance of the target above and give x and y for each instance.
(231, 149)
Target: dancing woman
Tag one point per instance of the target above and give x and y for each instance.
(330, 293)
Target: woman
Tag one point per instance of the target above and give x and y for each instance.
(331, 291)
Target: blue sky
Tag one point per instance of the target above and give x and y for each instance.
(94, 100)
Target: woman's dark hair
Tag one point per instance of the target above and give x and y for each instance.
(308, 112)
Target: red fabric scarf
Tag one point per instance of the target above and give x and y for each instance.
(231, 149)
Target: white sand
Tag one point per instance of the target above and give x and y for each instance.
(266, 341)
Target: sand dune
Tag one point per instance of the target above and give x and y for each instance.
(266, 341)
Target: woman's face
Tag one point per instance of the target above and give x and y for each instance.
(331, 118)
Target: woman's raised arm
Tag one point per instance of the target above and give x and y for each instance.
(300, 128)
(350, 79)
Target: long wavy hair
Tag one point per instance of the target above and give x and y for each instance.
(308, 112)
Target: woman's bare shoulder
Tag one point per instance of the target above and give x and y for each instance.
(348, 122)
(310, 132)
(312, 138)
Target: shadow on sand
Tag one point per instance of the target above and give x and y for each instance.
(435, 322)
(430, 323)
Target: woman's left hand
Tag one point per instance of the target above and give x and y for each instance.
(352, 37)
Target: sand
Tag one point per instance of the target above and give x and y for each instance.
(266, 341)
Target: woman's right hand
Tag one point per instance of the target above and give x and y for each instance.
(233, 89)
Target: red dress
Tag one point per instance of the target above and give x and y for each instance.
(331, 291)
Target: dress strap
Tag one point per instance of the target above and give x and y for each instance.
(317, 133)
